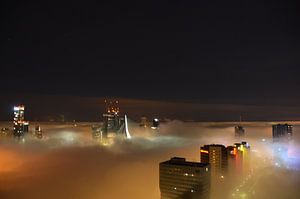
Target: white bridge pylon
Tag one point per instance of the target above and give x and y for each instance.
(127, 134)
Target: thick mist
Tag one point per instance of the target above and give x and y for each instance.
(68, 163)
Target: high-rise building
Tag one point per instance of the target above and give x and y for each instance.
(280, 131)
(20, 126)
(239, 131)
(216, 156)
(180, 179)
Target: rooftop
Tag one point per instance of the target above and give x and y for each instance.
(182, 162)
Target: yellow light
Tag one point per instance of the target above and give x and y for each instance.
(242, 148)
(203, 151)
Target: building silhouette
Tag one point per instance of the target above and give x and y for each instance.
(155, 123)
(282, 132)
(180, 179)
(144, 121)
(239, 131)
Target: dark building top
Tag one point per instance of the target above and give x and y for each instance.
(182, 162)
(213, 145)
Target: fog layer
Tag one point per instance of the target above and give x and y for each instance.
(68, 163)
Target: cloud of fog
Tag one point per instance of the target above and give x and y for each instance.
(67, 163)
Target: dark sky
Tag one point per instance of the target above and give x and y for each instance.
(225, 51)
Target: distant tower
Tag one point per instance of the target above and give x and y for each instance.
(239, 130)
(20, 126)
(144, 121)
(216, 156)
(179, 179)
(38, 132)
(282, 131)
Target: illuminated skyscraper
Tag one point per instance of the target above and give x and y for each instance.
(20, 126)
(216, 156)
(179, 179)
(281, 131)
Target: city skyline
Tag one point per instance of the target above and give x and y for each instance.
(37, 160)
(152, 99)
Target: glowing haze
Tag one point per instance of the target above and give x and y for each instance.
(67, 163)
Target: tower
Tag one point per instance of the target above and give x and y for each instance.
(239, 130)
(20, 126)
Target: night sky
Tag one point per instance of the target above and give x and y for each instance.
(208, 51)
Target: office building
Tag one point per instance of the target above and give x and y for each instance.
(282, 131)
(216, 156)
(20, 126)
(180, 179)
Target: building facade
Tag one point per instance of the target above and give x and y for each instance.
(216, 156)
(20, 125)
(180, 179)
